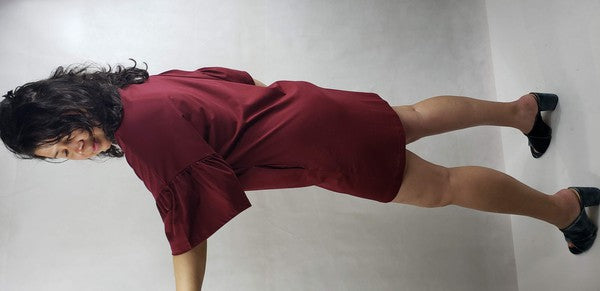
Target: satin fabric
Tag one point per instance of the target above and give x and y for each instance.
(199, 139)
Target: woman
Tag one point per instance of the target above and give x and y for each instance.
(198, 139)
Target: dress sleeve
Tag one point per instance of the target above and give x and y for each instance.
(228, 75)
(198, 201)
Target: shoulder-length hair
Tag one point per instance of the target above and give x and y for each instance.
(76, 97)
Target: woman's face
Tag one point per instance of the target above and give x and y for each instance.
(80, 145)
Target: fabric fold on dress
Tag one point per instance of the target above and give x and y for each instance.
(198, 201)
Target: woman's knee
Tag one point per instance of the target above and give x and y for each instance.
(440, 192)
(431, 190)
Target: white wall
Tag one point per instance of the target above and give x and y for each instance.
(93, 226)
(551, 46)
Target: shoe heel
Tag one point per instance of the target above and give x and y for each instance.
(546, 101)
(590, 196)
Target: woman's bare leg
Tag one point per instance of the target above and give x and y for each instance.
(475, 187)
(446, 113)
(482, 189)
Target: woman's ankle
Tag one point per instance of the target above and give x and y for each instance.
(568, 202)
(527, 109)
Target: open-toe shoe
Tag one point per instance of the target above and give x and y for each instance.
(581, 233)
(540, 135)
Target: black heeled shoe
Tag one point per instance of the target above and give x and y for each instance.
(582, 232)
(540, 135)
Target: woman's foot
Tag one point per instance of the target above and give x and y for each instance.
(580, 234)
(568, 200)
(538, 133)
(527, 112)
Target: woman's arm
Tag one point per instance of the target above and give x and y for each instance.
(189, 268)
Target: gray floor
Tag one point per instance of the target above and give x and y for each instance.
(551, 46)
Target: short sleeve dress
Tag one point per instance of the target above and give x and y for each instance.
(199, 139)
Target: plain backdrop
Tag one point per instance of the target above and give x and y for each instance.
(91, 225)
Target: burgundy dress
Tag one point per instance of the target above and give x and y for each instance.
(198, 139)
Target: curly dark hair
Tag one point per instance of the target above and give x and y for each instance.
(76, 97)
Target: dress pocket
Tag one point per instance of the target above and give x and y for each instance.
(279, 166)
(274, 176)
